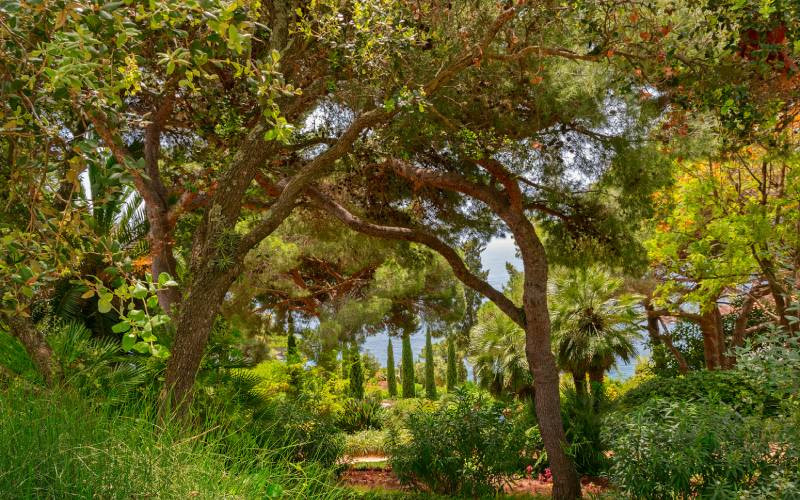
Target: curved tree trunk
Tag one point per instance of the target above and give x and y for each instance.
(35, 345)
(566, 483)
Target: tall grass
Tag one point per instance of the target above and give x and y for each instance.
(55, 444)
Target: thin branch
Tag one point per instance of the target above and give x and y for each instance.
(461, 271)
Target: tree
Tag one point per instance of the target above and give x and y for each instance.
(430, 380)
(407, 368)
(291, 348)
(391, 378)
(594, 322)
(356, 374)
(452, 369)
(518, 158)
(497, 352)
(352, 285)
(345, 362)
(472, 250)
(208, 122)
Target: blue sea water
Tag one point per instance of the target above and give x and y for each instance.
(498, 252)
(377, 346)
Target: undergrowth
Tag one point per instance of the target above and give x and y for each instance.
(56, 444)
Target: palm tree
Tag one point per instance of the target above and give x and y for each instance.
(594, 323)
(497, 352)
(115, 213)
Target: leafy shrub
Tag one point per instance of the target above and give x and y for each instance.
(733, 388)
(668, 449)
(361, 414)
(583, 424)
(468, 445)
(369, 442)
(304, 422)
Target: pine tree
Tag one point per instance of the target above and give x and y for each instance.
(452, 369)
(407, 368)
(430, 382)
(390, 375)
(356, 374)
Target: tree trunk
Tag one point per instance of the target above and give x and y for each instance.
(193, 326)
(579, 380)
(566, 483)
(163, 261)
(547, 402)
(596, 375)
(713, 338)
(35, 345)
(740, 329)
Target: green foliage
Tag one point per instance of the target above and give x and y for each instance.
(430, 382)
(668, 449)
(323, 391)
(292, 356)
(361, 414)
(407, 368)
(716, 434)
(56, 445)
(303, 421)
(497, 352)
(583, 424)
(733, 388)
(593, 322)
(467, 446)
(391, 377)
(356, 374)
(452, 371)
(135, 303)
(688, 339)
(14, 361)
(366, 442)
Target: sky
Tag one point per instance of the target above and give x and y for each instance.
(494, 258)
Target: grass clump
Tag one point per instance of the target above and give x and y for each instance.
(58, 445)
(368, 442)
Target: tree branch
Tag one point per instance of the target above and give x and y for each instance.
(419, 236)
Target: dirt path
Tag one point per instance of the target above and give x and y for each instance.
(384, 478)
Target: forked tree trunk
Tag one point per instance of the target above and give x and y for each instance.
(35, 345)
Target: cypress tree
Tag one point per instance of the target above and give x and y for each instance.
(407, 368)
(291, 349)
(390, 376)
(356, 374)
(345, 362)
(452, 370)
(430, 382)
